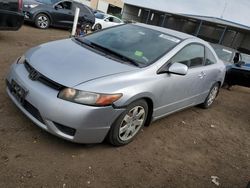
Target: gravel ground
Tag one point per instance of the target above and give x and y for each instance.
(182, 150)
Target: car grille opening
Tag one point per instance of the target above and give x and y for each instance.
(33, 111)
(43, 79)
(66, 130)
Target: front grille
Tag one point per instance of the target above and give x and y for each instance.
(66, 130)
(43, 79)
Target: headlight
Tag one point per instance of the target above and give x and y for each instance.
(21, 60)
(88, 98)
(30, 6)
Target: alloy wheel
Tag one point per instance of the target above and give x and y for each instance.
(212, 95)
(42, 22)
(132, 123)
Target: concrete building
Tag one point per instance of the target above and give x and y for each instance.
(220, 21)
(108, 6)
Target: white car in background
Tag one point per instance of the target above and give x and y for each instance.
(105, 20)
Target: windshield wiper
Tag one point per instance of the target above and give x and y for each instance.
(120, 56)
(105, 50)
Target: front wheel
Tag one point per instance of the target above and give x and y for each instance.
(128, 125)
(211, 96)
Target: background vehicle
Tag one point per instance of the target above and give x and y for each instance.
(45, 13)
(104, 20)
(239, 74)
(228, 55)
(113, 82)
(237, 65)
(11, 17)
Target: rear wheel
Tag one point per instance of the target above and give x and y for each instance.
(211, 96)
(128, 125)
(42, 21)
(97, 27)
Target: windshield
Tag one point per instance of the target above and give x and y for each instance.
(99, 15)
(223, 53)
(141, 45)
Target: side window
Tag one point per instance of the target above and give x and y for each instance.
(117, 20)
(110, 19)
(107, 19)
(191, 55)
(210, 59)
(65, 5)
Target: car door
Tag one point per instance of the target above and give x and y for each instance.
(240, 75)
(63, 14)
(108, 22)
(178, 91)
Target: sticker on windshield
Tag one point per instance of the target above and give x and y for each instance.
(225, 50)
(139, 53)
(173, 39)
(141, 33)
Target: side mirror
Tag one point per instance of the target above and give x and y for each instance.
(106, 20)
(175, 68)
(58, 7)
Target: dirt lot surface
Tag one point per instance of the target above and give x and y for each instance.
(181, 150)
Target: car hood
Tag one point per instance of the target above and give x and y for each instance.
(31, 2)
(71, 64)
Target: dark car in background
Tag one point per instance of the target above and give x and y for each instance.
(237, 65)
(11, 17)
(45, 13)
(239, 74)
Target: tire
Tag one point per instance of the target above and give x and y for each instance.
(97, 27)
(42, 21)
(213, 93)
(129, 124)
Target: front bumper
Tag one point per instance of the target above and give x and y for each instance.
(73, 122)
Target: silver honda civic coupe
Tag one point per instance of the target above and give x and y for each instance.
(111, 83)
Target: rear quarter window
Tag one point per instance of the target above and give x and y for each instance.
(210, 59)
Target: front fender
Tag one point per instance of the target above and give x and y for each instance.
(125, 102)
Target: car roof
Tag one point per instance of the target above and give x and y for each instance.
(175, 33)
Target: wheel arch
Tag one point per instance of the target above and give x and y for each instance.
(150, 100)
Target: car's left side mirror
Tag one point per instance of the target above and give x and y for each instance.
(174, 68)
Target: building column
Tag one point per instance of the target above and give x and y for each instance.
(222, 35)
(199, 28)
